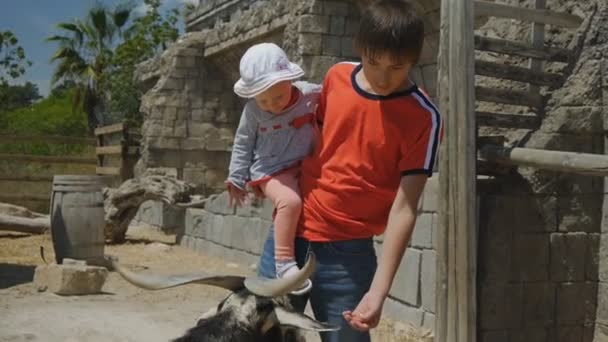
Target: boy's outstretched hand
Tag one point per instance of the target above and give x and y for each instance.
(236, 195)
(367, 314)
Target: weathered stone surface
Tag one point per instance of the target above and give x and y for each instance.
(198, 223)
(427, 280)
(310, 44)
(494, 336)
(403, 312)
(576, 303)
(406, 286)
(568, 256)
(539, 305)
(602, 304)
(592, 260)
(336, 8)
(579, 213)
(501, 306)
(311, 23)
(331, 46)
(422, 235)
(337, 25)
(530, 258)
(70, 279)
(529, 335)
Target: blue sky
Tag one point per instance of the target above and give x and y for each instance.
(34, 20)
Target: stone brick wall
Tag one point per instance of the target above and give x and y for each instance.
(542, 243)
(238, 235)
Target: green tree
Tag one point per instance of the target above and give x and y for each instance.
(13, 61)
(84, 57)
(17, 96)
(146, 37)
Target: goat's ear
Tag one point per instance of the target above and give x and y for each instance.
(298, 320)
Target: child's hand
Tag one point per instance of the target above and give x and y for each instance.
(236, 195)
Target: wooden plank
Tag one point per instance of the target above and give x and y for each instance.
(442, 240)
(541, 16)
(47, 159)
(45, 139)
(114, 149)
(509, 47)
(570, 162)
(108, 170)
(512, 97)
(119, 127)
(490, 119)
(18, 178)
(9, 198)
(456, 319)
(538, 40)
(520, 74)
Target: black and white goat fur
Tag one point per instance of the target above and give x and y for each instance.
(257, 309)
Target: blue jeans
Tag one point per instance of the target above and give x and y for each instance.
(343, 275)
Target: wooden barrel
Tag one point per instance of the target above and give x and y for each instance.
(77, 217)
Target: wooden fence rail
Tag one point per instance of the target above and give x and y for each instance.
(117, 150)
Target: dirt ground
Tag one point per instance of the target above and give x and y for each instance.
(122, 313)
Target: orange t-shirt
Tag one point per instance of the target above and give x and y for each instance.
(368, 142)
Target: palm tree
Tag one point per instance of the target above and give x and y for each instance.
(84, 56)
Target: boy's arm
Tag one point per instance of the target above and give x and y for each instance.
(401, 220)
(242, 150)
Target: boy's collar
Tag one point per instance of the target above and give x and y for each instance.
(368, 95)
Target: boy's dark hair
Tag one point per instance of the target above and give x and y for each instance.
(393, 27)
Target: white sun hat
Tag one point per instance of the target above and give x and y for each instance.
(262, 66)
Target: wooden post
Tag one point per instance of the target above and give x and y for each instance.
(538, 41)
(456, 312)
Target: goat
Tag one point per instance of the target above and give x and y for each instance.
(257, 309)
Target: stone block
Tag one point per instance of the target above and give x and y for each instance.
(200, 129)
(602, 304)
(402, 312)
(427, 280)
(317, 66)
(351, 26)
(568, 256)
(592, 260)
(494, 336)
(422, 235)
(495, 255)
(336, 25)
(501, 306)
(406, 286)
(428, 55)
(347, 48)
(576, 303)
(539, 305)
(331, 45)
(185, 62)
(198, 223)
(310, 44)
(569, 334)
(150, 213)
(70, 279)
(579, 213)
(214, 179)
(311, 23)
(530, 335)
(530, 257)
(218, 204)
(336, 8)
(416, 75)
(253, 207)
(574, 120)
(428, 321)
(430, 199)
(522, 213)
(603, 257)
(220, 140)
(429, 74)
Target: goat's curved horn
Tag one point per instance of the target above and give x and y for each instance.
(277, 287)
(157, 282)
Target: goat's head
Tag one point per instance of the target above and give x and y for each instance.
(256, 310)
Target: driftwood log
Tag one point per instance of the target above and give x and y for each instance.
(121, 204)
(20, 219)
